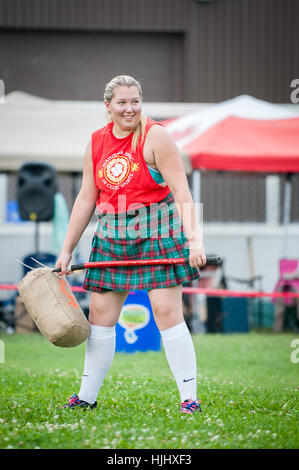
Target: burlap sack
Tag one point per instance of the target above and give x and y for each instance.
(53, 307)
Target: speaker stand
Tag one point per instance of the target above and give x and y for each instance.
(36, 239)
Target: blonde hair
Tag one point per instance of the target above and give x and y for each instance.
(126, 80)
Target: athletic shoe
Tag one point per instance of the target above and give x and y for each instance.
(190, 406)
(75, 401)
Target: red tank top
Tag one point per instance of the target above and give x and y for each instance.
(119, 172)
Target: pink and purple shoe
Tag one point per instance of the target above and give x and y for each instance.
(191, 406)
(76, 402)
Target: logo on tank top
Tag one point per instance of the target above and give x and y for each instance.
(118, 170)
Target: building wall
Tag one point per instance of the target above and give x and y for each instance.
(68, 65)
(184, 50)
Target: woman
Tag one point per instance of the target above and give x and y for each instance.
(132, 165)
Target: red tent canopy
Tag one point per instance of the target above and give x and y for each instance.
(239, 144)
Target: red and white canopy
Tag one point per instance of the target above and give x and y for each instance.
(241, 134)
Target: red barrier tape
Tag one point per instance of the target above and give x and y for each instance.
(196, 290)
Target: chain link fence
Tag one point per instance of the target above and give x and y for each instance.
(227, 197)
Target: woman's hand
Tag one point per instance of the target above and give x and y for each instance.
(63, 262)
(197, 256)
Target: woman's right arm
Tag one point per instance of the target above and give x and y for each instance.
(82, 212)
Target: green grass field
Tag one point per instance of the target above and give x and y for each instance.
(247, 383)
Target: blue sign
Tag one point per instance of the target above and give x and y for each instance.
(136, 329)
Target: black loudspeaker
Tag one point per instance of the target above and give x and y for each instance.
(36, 188)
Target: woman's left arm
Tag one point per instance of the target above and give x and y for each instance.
(169, 162)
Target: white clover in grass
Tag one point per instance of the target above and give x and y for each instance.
(93, 429)
(215, 438)
(240, 437)
(274, 435)
(183, 440)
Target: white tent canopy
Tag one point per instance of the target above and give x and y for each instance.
(33, 128)
(57, 132)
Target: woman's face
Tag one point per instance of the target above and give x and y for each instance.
(125, 107)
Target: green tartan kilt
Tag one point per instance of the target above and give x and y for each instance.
(155, 232)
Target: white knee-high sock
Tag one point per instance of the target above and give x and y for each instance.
(100, 348)
(180, 354)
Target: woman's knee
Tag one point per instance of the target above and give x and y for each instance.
(167, 316)
(104, 309)
(99, 315)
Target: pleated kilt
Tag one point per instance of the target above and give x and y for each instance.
(151, 232)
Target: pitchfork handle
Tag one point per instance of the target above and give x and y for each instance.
(212, 260)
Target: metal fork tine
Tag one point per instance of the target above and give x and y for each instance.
(26, 265)
(31, 257)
